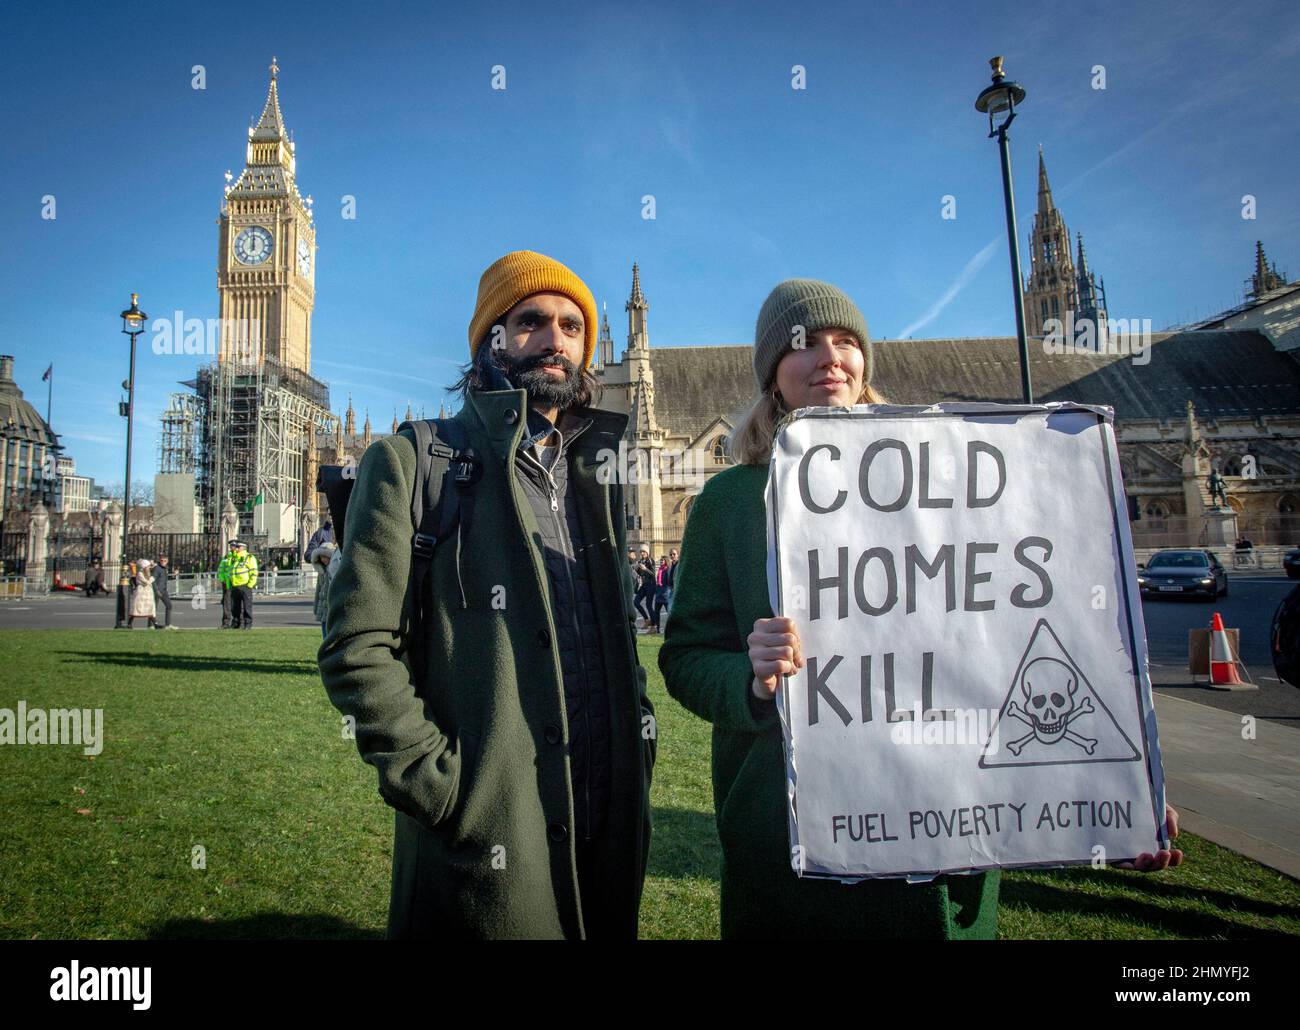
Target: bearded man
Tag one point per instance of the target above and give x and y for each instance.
(517, 752)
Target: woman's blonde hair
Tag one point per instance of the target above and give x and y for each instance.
(751, 441)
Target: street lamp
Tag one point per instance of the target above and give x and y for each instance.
(133, 320)
(999, 102)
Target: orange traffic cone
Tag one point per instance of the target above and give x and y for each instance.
(1223, 667)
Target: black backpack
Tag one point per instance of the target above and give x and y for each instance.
(441, 501)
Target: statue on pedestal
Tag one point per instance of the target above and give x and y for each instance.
(1218, 489)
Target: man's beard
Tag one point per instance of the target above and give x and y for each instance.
(527, 374)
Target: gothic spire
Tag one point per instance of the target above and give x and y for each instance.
(1266, 276)
(638, 336)
(271, 125)
(269, 161)
(1082, 263)
(1044, 187)
(637, 300)
(394, 420)
(350, 425)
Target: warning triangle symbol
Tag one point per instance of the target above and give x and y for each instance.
(1052, 715)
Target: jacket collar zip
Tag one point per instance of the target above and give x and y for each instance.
(542, 428)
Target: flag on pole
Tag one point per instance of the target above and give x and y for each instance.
(48, 372)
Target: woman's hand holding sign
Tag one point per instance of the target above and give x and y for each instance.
(773, 652)
(1147, 863)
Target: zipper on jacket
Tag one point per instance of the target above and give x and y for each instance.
(561, 535)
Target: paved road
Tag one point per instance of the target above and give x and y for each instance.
(76, 611)
(1252, 599)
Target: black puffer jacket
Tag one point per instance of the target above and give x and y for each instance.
(587, 704)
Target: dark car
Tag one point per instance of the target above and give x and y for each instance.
(1183, 574)
(1291, 562)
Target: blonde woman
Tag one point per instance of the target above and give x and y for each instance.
(723, 653)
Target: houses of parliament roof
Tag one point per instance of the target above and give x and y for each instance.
(1230, 374)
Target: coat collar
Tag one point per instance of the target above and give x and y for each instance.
(502, 416)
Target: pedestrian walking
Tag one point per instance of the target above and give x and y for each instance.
(672, 576)
(645, 571)
(660, 594)
(322, 558)
(162, 590)
(142, 601)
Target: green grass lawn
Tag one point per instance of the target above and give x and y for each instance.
(226, 742)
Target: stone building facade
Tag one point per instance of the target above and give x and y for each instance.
(1195, 400)
(28, 450)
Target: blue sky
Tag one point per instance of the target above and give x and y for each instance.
(754, 181)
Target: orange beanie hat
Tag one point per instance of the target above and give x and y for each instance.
(520, 274)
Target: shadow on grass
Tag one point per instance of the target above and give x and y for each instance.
(193, 663)
(1046, 897)
(684, 845)
(1160, 886)
(264, 926)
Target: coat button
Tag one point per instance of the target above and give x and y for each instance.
(512, 416)
(558, 833)
(543, 638)
(553, 735)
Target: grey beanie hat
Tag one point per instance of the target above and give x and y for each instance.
(809, 303)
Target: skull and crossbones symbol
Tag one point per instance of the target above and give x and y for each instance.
(1049, 686)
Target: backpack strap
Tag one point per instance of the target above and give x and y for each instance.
(441, 500)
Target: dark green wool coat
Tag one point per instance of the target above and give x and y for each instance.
(473, 755)
(721, 590)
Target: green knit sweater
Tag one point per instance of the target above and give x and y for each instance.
(720, 589)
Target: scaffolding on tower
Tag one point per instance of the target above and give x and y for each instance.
(258, 426)
(178, 442)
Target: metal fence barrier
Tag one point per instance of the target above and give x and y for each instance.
(18, 588)
(282, 584)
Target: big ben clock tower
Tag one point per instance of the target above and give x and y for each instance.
(261, 408)
(266, 256)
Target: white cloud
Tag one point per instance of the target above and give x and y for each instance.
(963, 279)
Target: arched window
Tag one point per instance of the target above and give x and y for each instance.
(1056, 308)
(719, 450)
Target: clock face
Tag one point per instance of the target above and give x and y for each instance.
(253, 245)
(304, 258)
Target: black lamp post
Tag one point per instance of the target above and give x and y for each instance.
(999, 102)
(133, 320)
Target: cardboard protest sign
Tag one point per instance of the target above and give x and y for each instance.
(975, 691)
